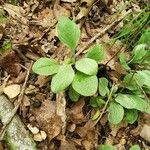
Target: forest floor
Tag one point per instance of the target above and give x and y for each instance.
(27, 32)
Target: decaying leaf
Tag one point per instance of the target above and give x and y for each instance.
(47, 119)
(76, 112)
(12, 90)
(10, 63)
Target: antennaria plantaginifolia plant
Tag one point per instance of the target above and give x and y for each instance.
(80, 76)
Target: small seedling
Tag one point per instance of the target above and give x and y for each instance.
(79, 77)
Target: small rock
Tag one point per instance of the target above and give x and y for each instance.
(43, 134)
(12, 90)
(34, 130)
(38, 137)
(145, 132)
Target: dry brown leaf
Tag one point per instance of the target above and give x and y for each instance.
(89, 135)
(67, 145)
(69, 1)
(15, 12)
(76, 112)
(47, 119)
(41, 80)
(12, 90)
(145, 132)
(46, 18)
(10, 63)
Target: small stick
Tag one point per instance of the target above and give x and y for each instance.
(106, 104)
(102, 33)
(141, 89)
(20, 97)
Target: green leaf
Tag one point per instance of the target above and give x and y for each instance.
(103, 86)
(135, 147)
(131, 115)
(45, 66)
(84, 84)
(145, 37)
(116, 113)
(123, 61)
(130, 81)
(107, 147)
(87, 66)
(97, 102)
(138, 53)
(62, 79)
(96, 52)
(144, 75)
(132, 102)
(68, 32)
(74, 96)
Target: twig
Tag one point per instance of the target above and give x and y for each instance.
(141, 89)
(106, 104)
(20, 98)
(102, 33)
(120, 50)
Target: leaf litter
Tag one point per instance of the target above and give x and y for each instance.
(54, 121)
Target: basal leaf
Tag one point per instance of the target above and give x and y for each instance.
(62, 79)
(132, 102)
(74, 96)
(145, 37)
(103, 86)
(123, 61)
(116, 113)
(68, 32)
(97, 101)
(130, 81)
(138, 53)
(131, 115)
(96, 52)
(135, 147)
(87, 66)
(45, 66)
(84, 84)
(107, 147)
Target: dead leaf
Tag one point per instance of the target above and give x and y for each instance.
(10, 62)
(67, 145)
(15, 12)
(41, 80)
(145, 133)
(69, 1)
(46, 18)
(47, 119)
(89, 135)
(76, 112)
(12, 90)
